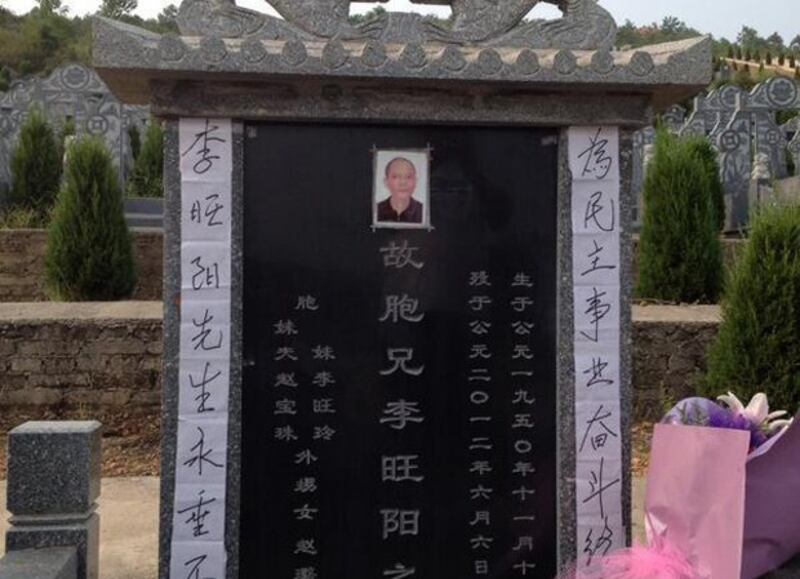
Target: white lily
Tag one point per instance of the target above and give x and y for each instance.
(757, 411)
(776, 425)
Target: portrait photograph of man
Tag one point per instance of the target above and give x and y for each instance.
(401, 190)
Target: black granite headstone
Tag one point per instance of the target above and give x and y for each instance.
(399, 391)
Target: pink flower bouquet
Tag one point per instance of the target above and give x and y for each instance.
(723, 498)
(717, 487)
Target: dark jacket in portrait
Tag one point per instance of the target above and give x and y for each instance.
(412, 214)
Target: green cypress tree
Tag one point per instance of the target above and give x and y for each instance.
(89, 253)
(68, 129)
(134, 140)
(5, 78)
(35, 165)
(148, 172)
(744, 79)
(706, 152)
(680, 251)
(758, 347)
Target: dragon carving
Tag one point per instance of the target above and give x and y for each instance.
(584, 24)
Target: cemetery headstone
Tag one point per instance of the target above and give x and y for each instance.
(72, 92)
(397, 329)
(742, 127)
(791, 131)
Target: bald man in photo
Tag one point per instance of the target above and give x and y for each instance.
(401, 182)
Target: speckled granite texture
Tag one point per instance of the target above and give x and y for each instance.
(53, 468)
(84, 536)
(55, 563)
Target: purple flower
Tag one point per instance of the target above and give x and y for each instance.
(704, 412)
(695, 412)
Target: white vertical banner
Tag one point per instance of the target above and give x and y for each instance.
(594, 163)
(198, 531)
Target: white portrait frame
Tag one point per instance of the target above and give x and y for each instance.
(421, 159)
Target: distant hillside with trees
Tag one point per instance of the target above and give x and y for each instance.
(750, 57)
(47, 37)
(670, 29)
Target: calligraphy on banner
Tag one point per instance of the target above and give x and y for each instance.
(594, 164)
(198, 548)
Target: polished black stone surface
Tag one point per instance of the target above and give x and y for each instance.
(307, 232)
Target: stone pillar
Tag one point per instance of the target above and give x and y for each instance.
(53, 483)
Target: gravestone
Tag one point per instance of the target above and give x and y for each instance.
(72, 92)
(741, 126)
(397, 327)
(792, 132)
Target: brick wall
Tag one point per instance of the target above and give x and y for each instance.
(109, 356)
(85, 361)
(22, 265)
(670, 357)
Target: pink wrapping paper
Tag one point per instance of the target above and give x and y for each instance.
(695, 495)
(772, 506)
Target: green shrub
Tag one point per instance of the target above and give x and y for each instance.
(148, 172)
(758, 348)
(89, 248)
(704, 149)
(135, 140)
(68, 129)
(22, 218)
(35, 165)
(5, 78)
(680, 251)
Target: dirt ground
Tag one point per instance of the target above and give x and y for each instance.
(131, 440)
(642, 434)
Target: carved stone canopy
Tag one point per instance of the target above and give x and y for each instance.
(584, 26)
(316, 52)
